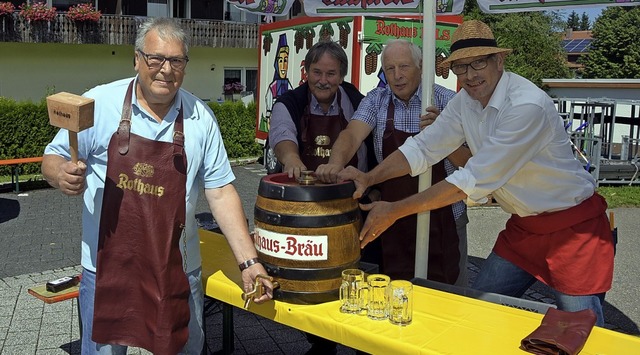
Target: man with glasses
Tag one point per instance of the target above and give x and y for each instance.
(558, 232)
(141, 168)
(392, 114)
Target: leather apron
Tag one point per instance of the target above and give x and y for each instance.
(319, 132)
(142, 292)
(399, 240)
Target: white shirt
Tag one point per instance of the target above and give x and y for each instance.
(521, 151)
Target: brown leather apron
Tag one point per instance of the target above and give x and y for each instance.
(399, 241)
(142, 292)
(319, 132)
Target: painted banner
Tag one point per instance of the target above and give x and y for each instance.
(361, 7)
(408, 7)
(284, 45)
(501, 6)
(264, 7)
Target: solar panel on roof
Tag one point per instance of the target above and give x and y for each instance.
(576, 45)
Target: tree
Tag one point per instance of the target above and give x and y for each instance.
(615, 50)
(572, 21)
(535, 38)
(585, 25)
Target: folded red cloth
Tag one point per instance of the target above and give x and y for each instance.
(560, 333)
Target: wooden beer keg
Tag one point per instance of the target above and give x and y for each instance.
(306, 234)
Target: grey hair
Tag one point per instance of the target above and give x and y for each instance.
(416, 52)
(333, 49)
(167, 28)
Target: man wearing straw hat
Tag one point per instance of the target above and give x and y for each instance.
(558, 232)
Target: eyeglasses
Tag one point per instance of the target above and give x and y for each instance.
(155, 61)
(478, 64)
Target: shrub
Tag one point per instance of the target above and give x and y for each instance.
(237, 126)
(25, 130)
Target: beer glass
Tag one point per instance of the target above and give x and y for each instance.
(377, 285)
(351, 291)
(400, 295)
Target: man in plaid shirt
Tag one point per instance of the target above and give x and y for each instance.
(393, 113)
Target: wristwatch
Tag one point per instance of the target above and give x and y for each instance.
(248, 263)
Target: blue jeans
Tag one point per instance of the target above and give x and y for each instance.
(498, 275)
(87, 296)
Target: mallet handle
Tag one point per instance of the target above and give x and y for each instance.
(73, 146)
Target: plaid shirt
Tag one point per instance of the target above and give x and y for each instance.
(373, 111)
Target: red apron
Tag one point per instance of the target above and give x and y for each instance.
(570, 250)
(142, 292)
(319, 132)
(399, 241)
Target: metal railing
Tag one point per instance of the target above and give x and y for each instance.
(121, 30)
(591, 124)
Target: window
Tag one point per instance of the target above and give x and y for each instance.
(248, 77)
(251, 80)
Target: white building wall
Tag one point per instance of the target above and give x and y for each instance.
(31, 71)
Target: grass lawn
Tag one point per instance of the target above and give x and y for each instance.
(621, 196)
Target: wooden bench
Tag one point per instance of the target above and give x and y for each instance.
(15, 169)
(40, 292)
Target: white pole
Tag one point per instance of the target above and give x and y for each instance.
(428, 77)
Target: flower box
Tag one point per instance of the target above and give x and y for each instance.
(83, 13)
(37, 12)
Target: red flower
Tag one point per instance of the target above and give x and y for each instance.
(37, 12)
(83, 12)
(6, 8)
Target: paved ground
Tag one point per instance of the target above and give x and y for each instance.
(40, 241)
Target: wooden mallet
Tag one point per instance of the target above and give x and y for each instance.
(73, 113)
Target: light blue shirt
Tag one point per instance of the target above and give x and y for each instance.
(207, 163)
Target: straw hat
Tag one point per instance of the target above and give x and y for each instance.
(472, 38)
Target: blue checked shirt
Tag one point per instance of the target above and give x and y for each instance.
(373, 111)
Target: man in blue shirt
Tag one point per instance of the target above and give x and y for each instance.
(152, 148)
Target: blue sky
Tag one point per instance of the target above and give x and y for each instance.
(592, 11)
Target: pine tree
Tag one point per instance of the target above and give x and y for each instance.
(573, 21)
(585, 25)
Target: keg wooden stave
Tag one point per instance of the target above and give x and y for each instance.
(315, 218)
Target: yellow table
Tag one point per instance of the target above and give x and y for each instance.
(443, 323)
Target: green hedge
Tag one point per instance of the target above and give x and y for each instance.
(25, 130)
(238, 126)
